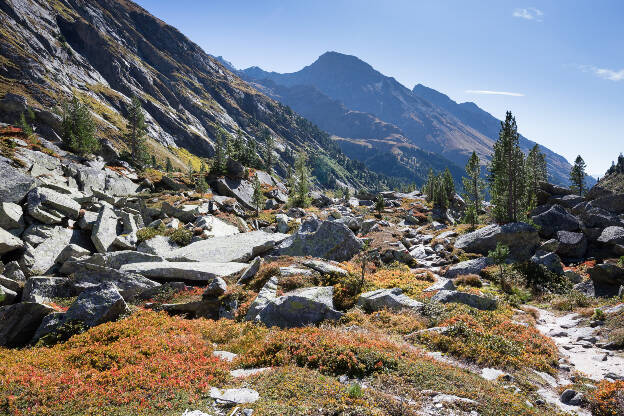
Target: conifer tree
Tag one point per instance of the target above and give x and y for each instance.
(473, 189)
(200, 185)
(78, 128)
(220, 158)
(380, 203)
(258, 197)
(26, 128)
(302, 186)
(189, 169)
(168, 166)
(269, 148)
(535, 172)
(507, 179)
(449, 184)
(135, 137)
(238, 146)
(577, 175)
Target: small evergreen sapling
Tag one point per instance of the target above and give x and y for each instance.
(258, 197)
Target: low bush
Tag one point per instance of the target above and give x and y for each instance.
(181, 236)
(492, 339)
(607, 399)
(571, 300)
(468, 280)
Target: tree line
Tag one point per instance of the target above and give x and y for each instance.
(512, 179)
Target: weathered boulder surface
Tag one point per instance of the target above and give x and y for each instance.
(128, 284)
(468, 267)
(571, 245)
(192, 271)
(45, 244)
(470, 299)
(549, 260)
(19, 322)
(93, 306)
(50, 207)
(42, 289)
(14, 185)
(267, 294)
(393, 299)
(301, 307)
(324, 267)
(233, 248)
(329, 240)
(104, 230)
(612, 203)
(612, 235)
(556, 218)
(521, 238)
(11, 217)
(607, 279)
(8, 242)
(240, 189)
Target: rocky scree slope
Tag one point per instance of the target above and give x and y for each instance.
(106, 51)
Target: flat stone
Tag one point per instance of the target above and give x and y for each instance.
(324, 267)
(393, 299)
(191, 271)
(250, 271)
(468, 267)
(50, 207)
(476, 301)
(11, 216)
(234, 396)
(233, 248)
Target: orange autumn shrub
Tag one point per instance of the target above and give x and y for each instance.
(144, 364)
(607, 399)
(488, 338)
(331, 352)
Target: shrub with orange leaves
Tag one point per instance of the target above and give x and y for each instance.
(607, 399)
(490, 338)
(147, 361)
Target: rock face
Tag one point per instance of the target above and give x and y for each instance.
(612, 203)
(44, 288)
(47, 244)
(192, 271)
(8, 242)
(240, 189)
(19, 322)
(234, 248)
(105, 229)
(476, 301)
(607, 279)
(556, 218)
(468, 267)
(549, 260)
(14, 185)
(307, 306)
(94, 306)
(329, 240)
(387, 299)
(571, 245)
(521, 238)
(51, 207)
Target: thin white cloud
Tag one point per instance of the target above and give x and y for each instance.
(605, 73)
(530, 13)
(488, 92)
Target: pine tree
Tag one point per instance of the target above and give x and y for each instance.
(238, 147)
(507, 179)
(168, 166)
(220, 161)
(577, 175)
(473, 189)
(78, 128)
(302, 186)
(200, 185)
(26, 128)
(380, 203)
(449, 184)
(190, 171)
(291, 181)
(535, 172)
(154, 164)
(258, 197)
(428, 188)
(269, 148)
(135, 137)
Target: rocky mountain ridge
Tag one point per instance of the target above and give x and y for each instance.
(425, 117)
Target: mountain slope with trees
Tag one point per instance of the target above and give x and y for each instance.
(107, 51)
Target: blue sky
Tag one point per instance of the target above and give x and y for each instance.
(563, 61)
